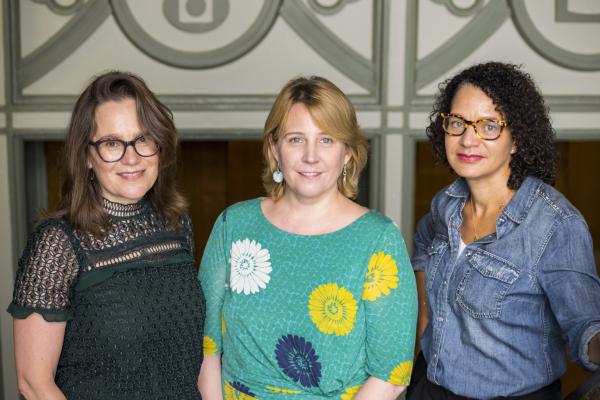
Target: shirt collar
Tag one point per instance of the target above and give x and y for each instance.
(124, 210)
(517, 209)
(521, 202)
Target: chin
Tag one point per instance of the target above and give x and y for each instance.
(133, 196)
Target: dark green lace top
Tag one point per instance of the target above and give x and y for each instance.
(133, 306)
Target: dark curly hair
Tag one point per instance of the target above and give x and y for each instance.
(521, 104)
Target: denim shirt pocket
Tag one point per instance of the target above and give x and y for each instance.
(485, 284)
(435, 251)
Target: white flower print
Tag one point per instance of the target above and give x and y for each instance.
(250, 266)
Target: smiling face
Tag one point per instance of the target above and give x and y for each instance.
(127, 180)
(311, 160)
(468, 155)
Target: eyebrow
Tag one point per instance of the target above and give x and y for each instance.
(119, 137)
(478, 119)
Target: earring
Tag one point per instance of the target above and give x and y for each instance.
(344, 173)
(277, 175)
(513, 150)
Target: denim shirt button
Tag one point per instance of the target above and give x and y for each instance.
(440, 319)
(444, 282)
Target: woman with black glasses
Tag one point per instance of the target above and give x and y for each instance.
(106, 301)
(504, 262)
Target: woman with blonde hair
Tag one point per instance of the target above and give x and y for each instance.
(308, 293)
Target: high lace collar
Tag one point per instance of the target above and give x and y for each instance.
(124, 210)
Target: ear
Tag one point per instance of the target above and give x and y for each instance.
(348, 155)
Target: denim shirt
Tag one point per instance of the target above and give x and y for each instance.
(502, 311)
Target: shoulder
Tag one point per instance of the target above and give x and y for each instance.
(551, 202)
(450, 194)
(186, 221)
(49, 230)
(380, 224)
(242, 209)
(52, 236)
(376, 218)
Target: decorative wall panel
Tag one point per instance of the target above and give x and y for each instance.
(219, 63)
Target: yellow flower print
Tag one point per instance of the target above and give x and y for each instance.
(350, 392)
(382, 275)
(279, 390)
(400, 375)
(238, 391)
(209, 345)
(332, 309)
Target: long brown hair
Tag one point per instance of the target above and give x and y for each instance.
(81, 200)
(333, 112)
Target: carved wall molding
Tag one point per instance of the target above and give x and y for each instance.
(484, 22)
(87, 16)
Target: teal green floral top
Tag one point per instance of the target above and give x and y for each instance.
(307, 317)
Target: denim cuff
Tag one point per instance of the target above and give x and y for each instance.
(417, 267)
(588, 334)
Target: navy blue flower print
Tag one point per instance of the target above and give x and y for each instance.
(298, 360)
(240, 387)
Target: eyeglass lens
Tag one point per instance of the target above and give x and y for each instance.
(111, 150)
(485, 128)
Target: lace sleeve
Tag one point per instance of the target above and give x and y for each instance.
(47, 269)
(188, 232)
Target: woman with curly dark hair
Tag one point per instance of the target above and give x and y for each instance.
(504, 262)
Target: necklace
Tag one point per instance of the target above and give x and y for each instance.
(474, 221)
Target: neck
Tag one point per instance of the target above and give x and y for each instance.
(311, 216)
(311, 208)
(486, 202)
(488, 196)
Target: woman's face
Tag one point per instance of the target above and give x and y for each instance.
(127, 180)
(311, 160)
(468, 155)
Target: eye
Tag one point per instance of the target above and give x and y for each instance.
(141, 139)
(491, 127)
(457, 123)
(111, 144)
(326, 140)
(295, 139)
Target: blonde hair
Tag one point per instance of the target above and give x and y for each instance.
(332, 111)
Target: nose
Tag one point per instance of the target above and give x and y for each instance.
(470, 138)
(310, 154)
(130, 156)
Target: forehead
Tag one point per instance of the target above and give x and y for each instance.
(300, 117)
(473, 102)
(117, 118)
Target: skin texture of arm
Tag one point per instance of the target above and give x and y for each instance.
(594, 349)
(38, 344)
(209, 380)
(376, 389)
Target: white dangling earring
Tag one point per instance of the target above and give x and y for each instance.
(344, 173)
(277, 175)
